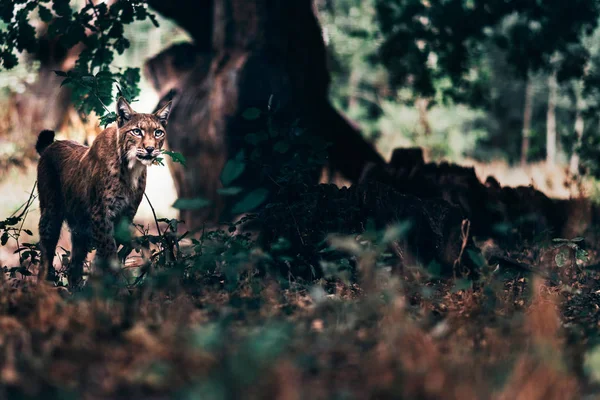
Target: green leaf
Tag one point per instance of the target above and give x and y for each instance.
(251, 201)
(9, 60)
(396, 231)
(282, 146)
(581, 255)
(121, 44)
(240, 155)
(462, 284)
(27, 231)
(191, 204)
(45, 14)
(127, 13)
(477, 258)
(229, 191)
(153, 19)
(61, 73)
(562, 257)
(66, 81)
(123, 231)
(176, 157)
(159, 161)
(7, 9)
(255, 138)
(232, 170)
(251, 114)
(434, 268)
(61, 7)
(4, 238)
(108, 118)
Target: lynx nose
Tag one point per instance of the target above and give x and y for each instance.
(149, 149)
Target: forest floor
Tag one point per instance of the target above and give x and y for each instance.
(513, 334)
(397, 336)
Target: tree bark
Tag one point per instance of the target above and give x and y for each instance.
(354, 87)
(44, 104)
(551, 120)
(260, 52)
(526, 121)
(422, 105)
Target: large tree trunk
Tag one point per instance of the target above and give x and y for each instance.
(44, 104)
(246, 53)
(551, 120)
(526, 121)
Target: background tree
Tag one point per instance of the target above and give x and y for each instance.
(427, 42)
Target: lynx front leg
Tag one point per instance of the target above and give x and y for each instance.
(49, 226)
(80, 241)
(106, 248)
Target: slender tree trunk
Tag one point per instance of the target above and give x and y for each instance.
(422, 105)
(579, 126)
(526, 121)
(551, 120)
(352, 97)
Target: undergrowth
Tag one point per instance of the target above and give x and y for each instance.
(216, 314)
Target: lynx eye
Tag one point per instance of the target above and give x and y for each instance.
(158, 133)
(136, 132)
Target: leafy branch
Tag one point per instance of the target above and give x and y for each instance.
(98, 27)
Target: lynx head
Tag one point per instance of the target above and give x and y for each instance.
(141, 136)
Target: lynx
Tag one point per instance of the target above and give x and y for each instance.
(93, 188)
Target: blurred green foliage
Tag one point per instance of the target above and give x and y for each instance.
(468, 61)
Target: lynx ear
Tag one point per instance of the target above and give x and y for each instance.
(124, 112)
(163, 113)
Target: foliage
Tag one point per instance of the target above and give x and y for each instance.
(569, 251)
(12, 229)
(98, 28)
(204, 324)
(463, 53)
(441, 39)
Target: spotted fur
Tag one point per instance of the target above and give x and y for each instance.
(93, 188)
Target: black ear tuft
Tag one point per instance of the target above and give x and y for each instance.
(163, 113)
(124, 112)
(45, 139)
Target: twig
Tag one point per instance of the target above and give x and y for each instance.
(153, 214)
(465, 228)
(24, 214)
(158, 253)
(26, 204)
(162, 237)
